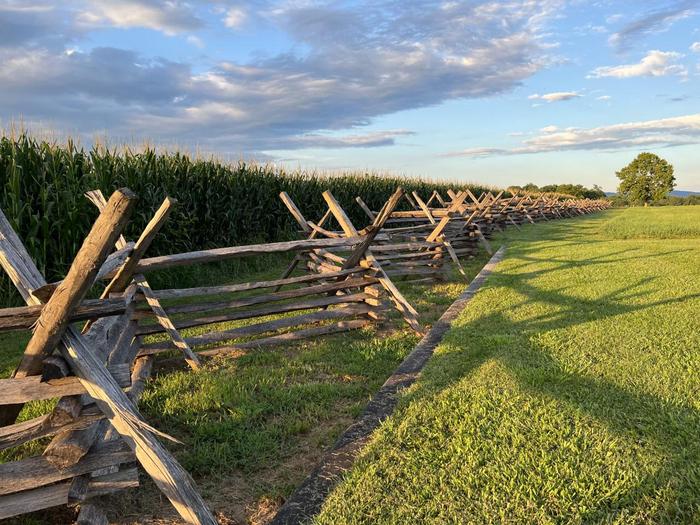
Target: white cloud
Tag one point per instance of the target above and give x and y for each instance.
(674, 131)
(347, 63)
(695, 47)
(477, 152)
(32, 24)
(235, 17)
(366, 140)
(170, 17)
(652, 22)
(195, 41)
(555, 97)
(604, 97)
(654, 64)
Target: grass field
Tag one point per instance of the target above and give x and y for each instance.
(673, 222)
(567, 392)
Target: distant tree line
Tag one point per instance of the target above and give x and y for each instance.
(688, 200)
(669, 200)
(577, 190)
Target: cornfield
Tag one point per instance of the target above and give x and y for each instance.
(220, 204)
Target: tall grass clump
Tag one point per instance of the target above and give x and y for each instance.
(220, 204)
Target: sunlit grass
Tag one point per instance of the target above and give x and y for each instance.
(654, 223)
(246, 412)
(567, 392)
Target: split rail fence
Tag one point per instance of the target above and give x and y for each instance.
(90, 356)
(415, 244)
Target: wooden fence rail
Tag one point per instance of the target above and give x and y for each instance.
(97, 374)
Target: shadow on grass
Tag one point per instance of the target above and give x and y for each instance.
(645, 418)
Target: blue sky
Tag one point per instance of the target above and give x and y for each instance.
(496, 92)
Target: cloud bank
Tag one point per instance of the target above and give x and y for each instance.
(675, 131)
(348, 64)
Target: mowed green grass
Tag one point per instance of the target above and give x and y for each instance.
(567, 392)
(670, 222)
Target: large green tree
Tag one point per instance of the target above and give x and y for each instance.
(646, 179)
